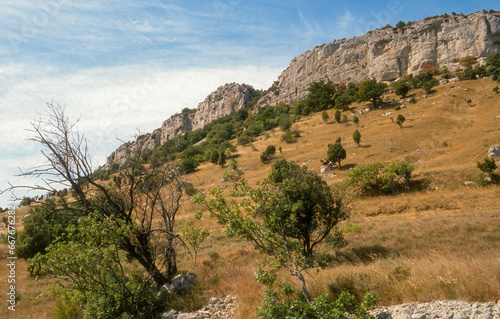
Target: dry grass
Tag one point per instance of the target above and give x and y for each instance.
(440, 242)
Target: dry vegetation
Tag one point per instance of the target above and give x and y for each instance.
(440, 241)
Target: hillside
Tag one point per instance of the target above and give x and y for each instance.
(384, 54)
(438, 241)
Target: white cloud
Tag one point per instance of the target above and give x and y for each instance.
(112, 102)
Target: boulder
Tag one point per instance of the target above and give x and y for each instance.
(327, 167)
(494, 151)
(180, 283)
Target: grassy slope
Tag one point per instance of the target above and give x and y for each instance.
(440, 243)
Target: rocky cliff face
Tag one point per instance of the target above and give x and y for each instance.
(225, 100)
(386, 54)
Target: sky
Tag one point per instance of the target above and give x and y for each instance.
(123, 67)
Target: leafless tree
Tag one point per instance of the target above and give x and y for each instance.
(146, 198)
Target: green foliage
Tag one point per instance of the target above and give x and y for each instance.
(286, 217)
(488, 166)
(290, 136)
(214, 156)
(401, 88)
(194, 236)
(222, 159)
(356, 136)
(264, 158)
(379, 177)
(400, 120)
(467, 74)
(429, 85)
(355, 120)
(336, 153)
(400, 25)
(336, 116)
(95, 274)
(287, 302)
(320, 96)
(493, 60)
(285, 123)
(44, 224)
(325, 116)
(188, 164)
(343, 101)
(371, 90)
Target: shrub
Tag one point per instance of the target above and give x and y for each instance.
(287, 302)
(264, 158)
(290, 136)
(337, 116)
(355, 120)
(356, 136)
(285, 123)
(325, 116)
(401, 88)
(188, 164)
(380, 177)
(400, 120)
(488, 166)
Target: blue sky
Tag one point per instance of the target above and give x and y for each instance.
(124, 66)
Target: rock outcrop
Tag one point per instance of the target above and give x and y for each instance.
(494, 152)
(386, 54)
(439, 309)
(225, 100)
(215, 309)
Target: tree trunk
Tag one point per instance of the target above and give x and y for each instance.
(170, 259)
(303, 287)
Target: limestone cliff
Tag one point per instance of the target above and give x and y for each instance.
(225, 100)
(386, 54)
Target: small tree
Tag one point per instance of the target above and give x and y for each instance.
(488, 166)
(401, 88)
(428, 85)
(287, 218)
(356, 136)
(214, 156)
(355, 120)
(371, 90)
(194, 236)
(337, 116)
(222, 159)
(335, 153)
(325, 116)
(400, 120)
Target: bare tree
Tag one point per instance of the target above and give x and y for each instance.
(146, 198)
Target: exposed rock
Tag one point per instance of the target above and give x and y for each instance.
(388, 53)
(439, 309)
(225, 100)
(327, 167)
(469, 183)
(494, 151)
(215, 309)
(180, 283)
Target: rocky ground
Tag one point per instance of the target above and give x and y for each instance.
(451, 309)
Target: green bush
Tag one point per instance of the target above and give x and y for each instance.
(287, 302)
(290, 136)
(488, 166)
(379, 177)
(335, 153)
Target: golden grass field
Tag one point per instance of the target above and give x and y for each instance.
(441, 241)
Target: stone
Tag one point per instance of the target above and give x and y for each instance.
(215, 309)
(327, 167)
(180, 283)
(494, 151)
(469, 183)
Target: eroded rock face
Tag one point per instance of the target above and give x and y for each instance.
(386, 54)
(225, 100)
